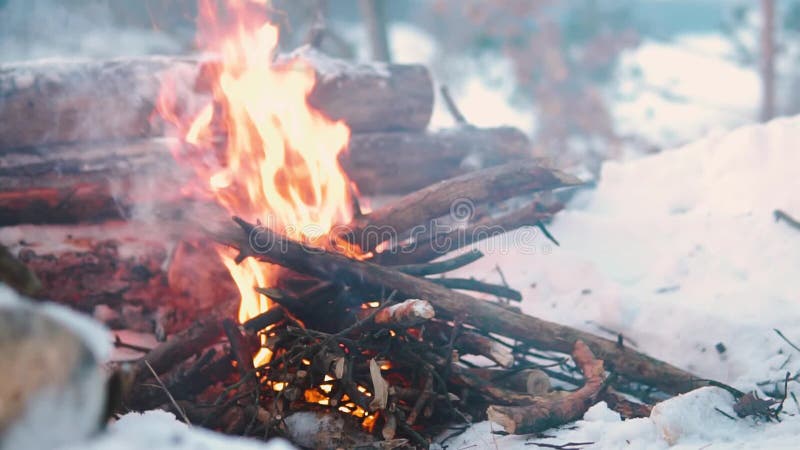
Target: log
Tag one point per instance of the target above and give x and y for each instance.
(526, 381)
(435, 243)
(184, 344)
(51, 101)
(97, 181)
(373, 96)
(398, 163)
(181, 384)
(267, 246)
(56, 101)
(555, 409)
(87, 182)
(129, 275)
(332, 431)
(457, 196)
(476, 344)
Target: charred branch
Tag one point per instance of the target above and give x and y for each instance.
(451, 304)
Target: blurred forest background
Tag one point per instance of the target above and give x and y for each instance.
(590, 80)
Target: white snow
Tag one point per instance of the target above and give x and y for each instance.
(678, 252)
(159, 430)
(674, 92)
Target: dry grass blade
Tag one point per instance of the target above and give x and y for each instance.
(171, 398)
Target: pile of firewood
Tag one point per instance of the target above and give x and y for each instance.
(80, 140)
(383, 349)
(388, 345)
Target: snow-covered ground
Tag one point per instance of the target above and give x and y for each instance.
(679, 252)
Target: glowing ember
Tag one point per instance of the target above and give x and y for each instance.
(277, 159)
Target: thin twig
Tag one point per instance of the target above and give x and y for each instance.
(171, 398)
(468, 284)
(724, 413)
(118, 343)
(786, 339)
(452, 107)
(791, 221)
(567, 446)
(440, 266)
(546, 232)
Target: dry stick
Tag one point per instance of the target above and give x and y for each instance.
(203, 373)
(477, 344)
(263, 320)
(468, 284)
(452, 107)
(626, 408)
(457, 196)
(440, 266)
(526, 381)
(567, 446)
(271, 247)
(791, 221)
(171, 398)
(431, 247)
(556, 408)
(422, 400)
(244, 357)
(779, 333)
(183, 345)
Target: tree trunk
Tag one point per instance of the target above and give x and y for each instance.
(374, 14)
(767, 60)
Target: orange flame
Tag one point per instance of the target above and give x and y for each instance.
(277, 160)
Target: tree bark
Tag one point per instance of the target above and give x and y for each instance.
(457, 196)
(374, 14)
(767, 60)
(400, 162)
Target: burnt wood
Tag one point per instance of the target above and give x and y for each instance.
(267, 246)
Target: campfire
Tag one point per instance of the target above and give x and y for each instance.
(346, 316)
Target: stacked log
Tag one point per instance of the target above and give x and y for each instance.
(56, 102)
(382, 346)
(70, 183)
(80, 140)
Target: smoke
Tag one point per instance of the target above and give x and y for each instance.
(35, 29)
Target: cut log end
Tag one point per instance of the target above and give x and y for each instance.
(409, 313)
(556, 408)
